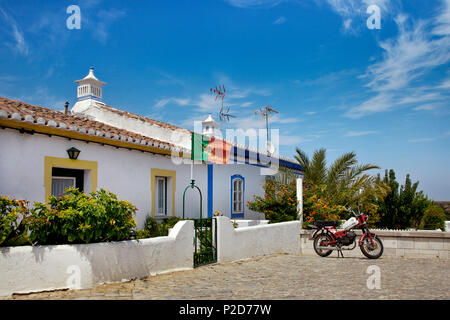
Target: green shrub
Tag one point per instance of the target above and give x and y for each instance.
(167, 224)
(153, 228)
(12, 229)
(76, 217)
(434, 218)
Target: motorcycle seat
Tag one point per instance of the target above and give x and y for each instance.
(326, 223)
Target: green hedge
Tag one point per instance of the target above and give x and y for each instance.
(154, 229)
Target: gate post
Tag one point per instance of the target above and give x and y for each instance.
(300, 200)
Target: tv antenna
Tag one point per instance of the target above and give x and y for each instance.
(266, 112)
(225, 115)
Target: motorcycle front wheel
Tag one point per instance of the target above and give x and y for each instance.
(321, 240)
(372, 251)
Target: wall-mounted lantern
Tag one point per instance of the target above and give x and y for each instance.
(73, 153)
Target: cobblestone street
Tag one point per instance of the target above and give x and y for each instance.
(282, 277)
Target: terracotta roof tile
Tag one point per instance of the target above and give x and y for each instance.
(18, 110)
(10, 109)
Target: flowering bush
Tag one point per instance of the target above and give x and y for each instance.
(279, 202)
(318, 206)
(81, 218)
(12, 230)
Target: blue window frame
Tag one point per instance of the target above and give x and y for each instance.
(237, 196)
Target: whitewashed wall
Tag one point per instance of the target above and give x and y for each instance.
(222, 187)
(124, 172)
(248, 242)
(30, 269)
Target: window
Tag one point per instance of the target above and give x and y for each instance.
(60, 184)
(161, 195)
(84, 172)
(237, 196)
(63, 178)
(162, 186)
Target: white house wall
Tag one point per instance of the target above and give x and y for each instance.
(127, 173)
(222, 187)
(124, 172)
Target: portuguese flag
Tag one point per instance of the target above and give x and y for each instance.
(199, 143)
(213, 150)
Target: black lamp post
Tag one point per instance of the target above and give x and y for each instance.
(73, 153)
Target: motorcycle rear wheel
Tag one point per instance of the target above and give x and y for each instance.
(318, 239)
(372, 252)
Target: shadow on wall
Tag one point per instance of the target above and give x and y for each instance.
(114, 261)
(52, 267)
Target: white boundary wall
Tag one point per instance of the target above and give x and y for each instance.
(40, 268)
(248, 242)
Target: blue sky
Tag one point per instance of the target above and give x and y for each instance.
(383, 93)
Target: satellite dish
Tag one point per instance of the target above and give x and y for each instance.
(270, 148)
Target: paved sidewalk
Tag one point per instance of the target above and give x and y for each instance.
(282, 277)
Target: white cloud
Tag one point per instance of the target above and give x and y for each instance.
(254, 3)
(443, 20)
(105, 19)
(445, 84)
(359, 133)
(426, 107)
(281, 120)
(206, 103)
(289, 140)
(421, 140)
(280, 20)
(347, 24)
(247, 104)
(414, 52)
(179, 101)
(18, 43)
(349, 10)
(42, 96)
(235, 91)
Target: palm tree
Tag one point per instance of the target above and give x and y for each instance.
(347, 183)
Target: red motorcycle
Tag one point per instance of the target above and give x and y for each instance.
(327, 238)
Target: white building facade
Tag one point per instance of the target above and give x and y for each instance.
(141, 160)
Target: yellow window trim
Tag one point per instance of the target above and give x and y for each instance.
(163, 173)
(51, 162)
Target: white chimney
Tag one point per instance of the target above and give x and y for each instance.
(89, 92)
(209, 126)
(90, 87)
